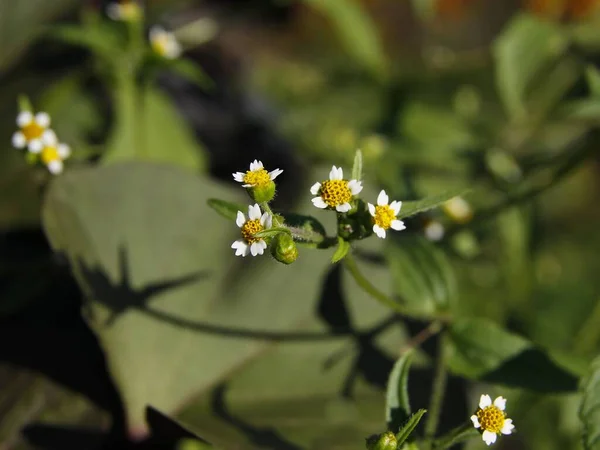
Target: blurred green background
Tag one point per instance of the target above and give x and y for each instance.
(144, 304)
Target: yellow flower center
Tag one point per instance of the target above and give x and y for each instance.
(32, 130)
(249, 229)
(49, 154)
(257, 177)
(335, 192)
(491, 419)
(384, 216)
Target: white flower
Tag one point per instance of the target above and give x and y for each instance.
(384, 215)
(53, 154)
(164, 43)
(125, 10)
(249, 227)
(256, 176)
(32, 129)
(491, 419)
(335, 193)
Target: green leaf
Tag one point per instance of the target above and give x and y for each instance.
(357, 167)
(150, 129)
(357, 32)
(411, 208)
(191, 329)
(304, 229)
(272, 232)
(582, 110)
(397, 407)
(409, 427)
(341, 251)
(482, 350)
(99, 38)
(589, 411)
(191, 71)
(226, 209)
(522, 52)
(423, 277)
(592, 75)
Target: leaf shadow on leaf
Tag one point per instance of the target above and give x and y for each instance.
(260, 436)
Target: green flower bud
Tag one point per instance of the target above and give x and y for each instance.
(383, 441)
(283, 248)
(262, 193)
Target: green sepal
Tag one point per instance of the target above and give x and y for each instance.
(383, 441)
(283, 248)
(409, 426)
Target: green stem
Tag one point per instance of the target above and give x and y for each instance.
(455, 436)
(266, 208)
(589, 334)
(438, 390)
(370, 289)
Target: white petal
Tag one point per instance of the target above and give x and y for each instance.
(475, 421)
(240, 220)
(64, 151)
(314, 189)
(247, 185)
(239, 177)
(241, 248)
(256, 165)
(254, 212)
(255, 249)
(319, 203)
(485, 401)
(508, 427)
(343, 208)
(55, 167)
(172, 49)
(49, 137)
(380, 232)
(263, 218)
(397, 225)
(275, 173)
(35, 146)
(336, 174)
(156, 32)
(371, 209)
(382, 199)
(355, 186)
(19, 140)
(396, 205)
(268, 221)
(488, 437)
(500, 403)
(42, 119)
(24, 118)
(113, 11)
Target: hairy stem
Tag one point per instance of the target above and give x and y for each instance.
(438, 390)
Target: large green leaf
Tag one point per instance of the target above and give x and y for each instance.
(423, 277)
(589, 412)
(357, 32)
(480, 349)
(524, 49)
(185, 322)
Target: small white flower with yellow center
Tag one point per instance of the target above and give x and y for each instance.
(54, 153)
(124, 10)
(491, 419)
(384, 215)
(257, 176)
(249, 227)
(335, 193)
(33, 129)
(164, 43)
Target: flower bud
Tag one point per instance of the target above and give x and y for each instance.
(262, 193)
(383, 441)
(283, 248)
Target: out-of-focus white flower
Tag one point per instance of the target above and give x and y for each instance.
(434, 230)
(335, 193)
(491, 419)
(164, 43)
(255, 223)
(53, 154)
(384, 215)
(33, 130)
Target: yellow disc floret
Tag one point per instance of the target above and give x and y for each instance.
(335, 192)
(249, 229)
(258, 177)
(384, 216)
(49, 154)
(491, 418)
(32, 131)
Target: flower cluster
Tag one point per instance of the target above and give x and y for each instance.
(40, 140)
(491, 419)
(336, 194)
